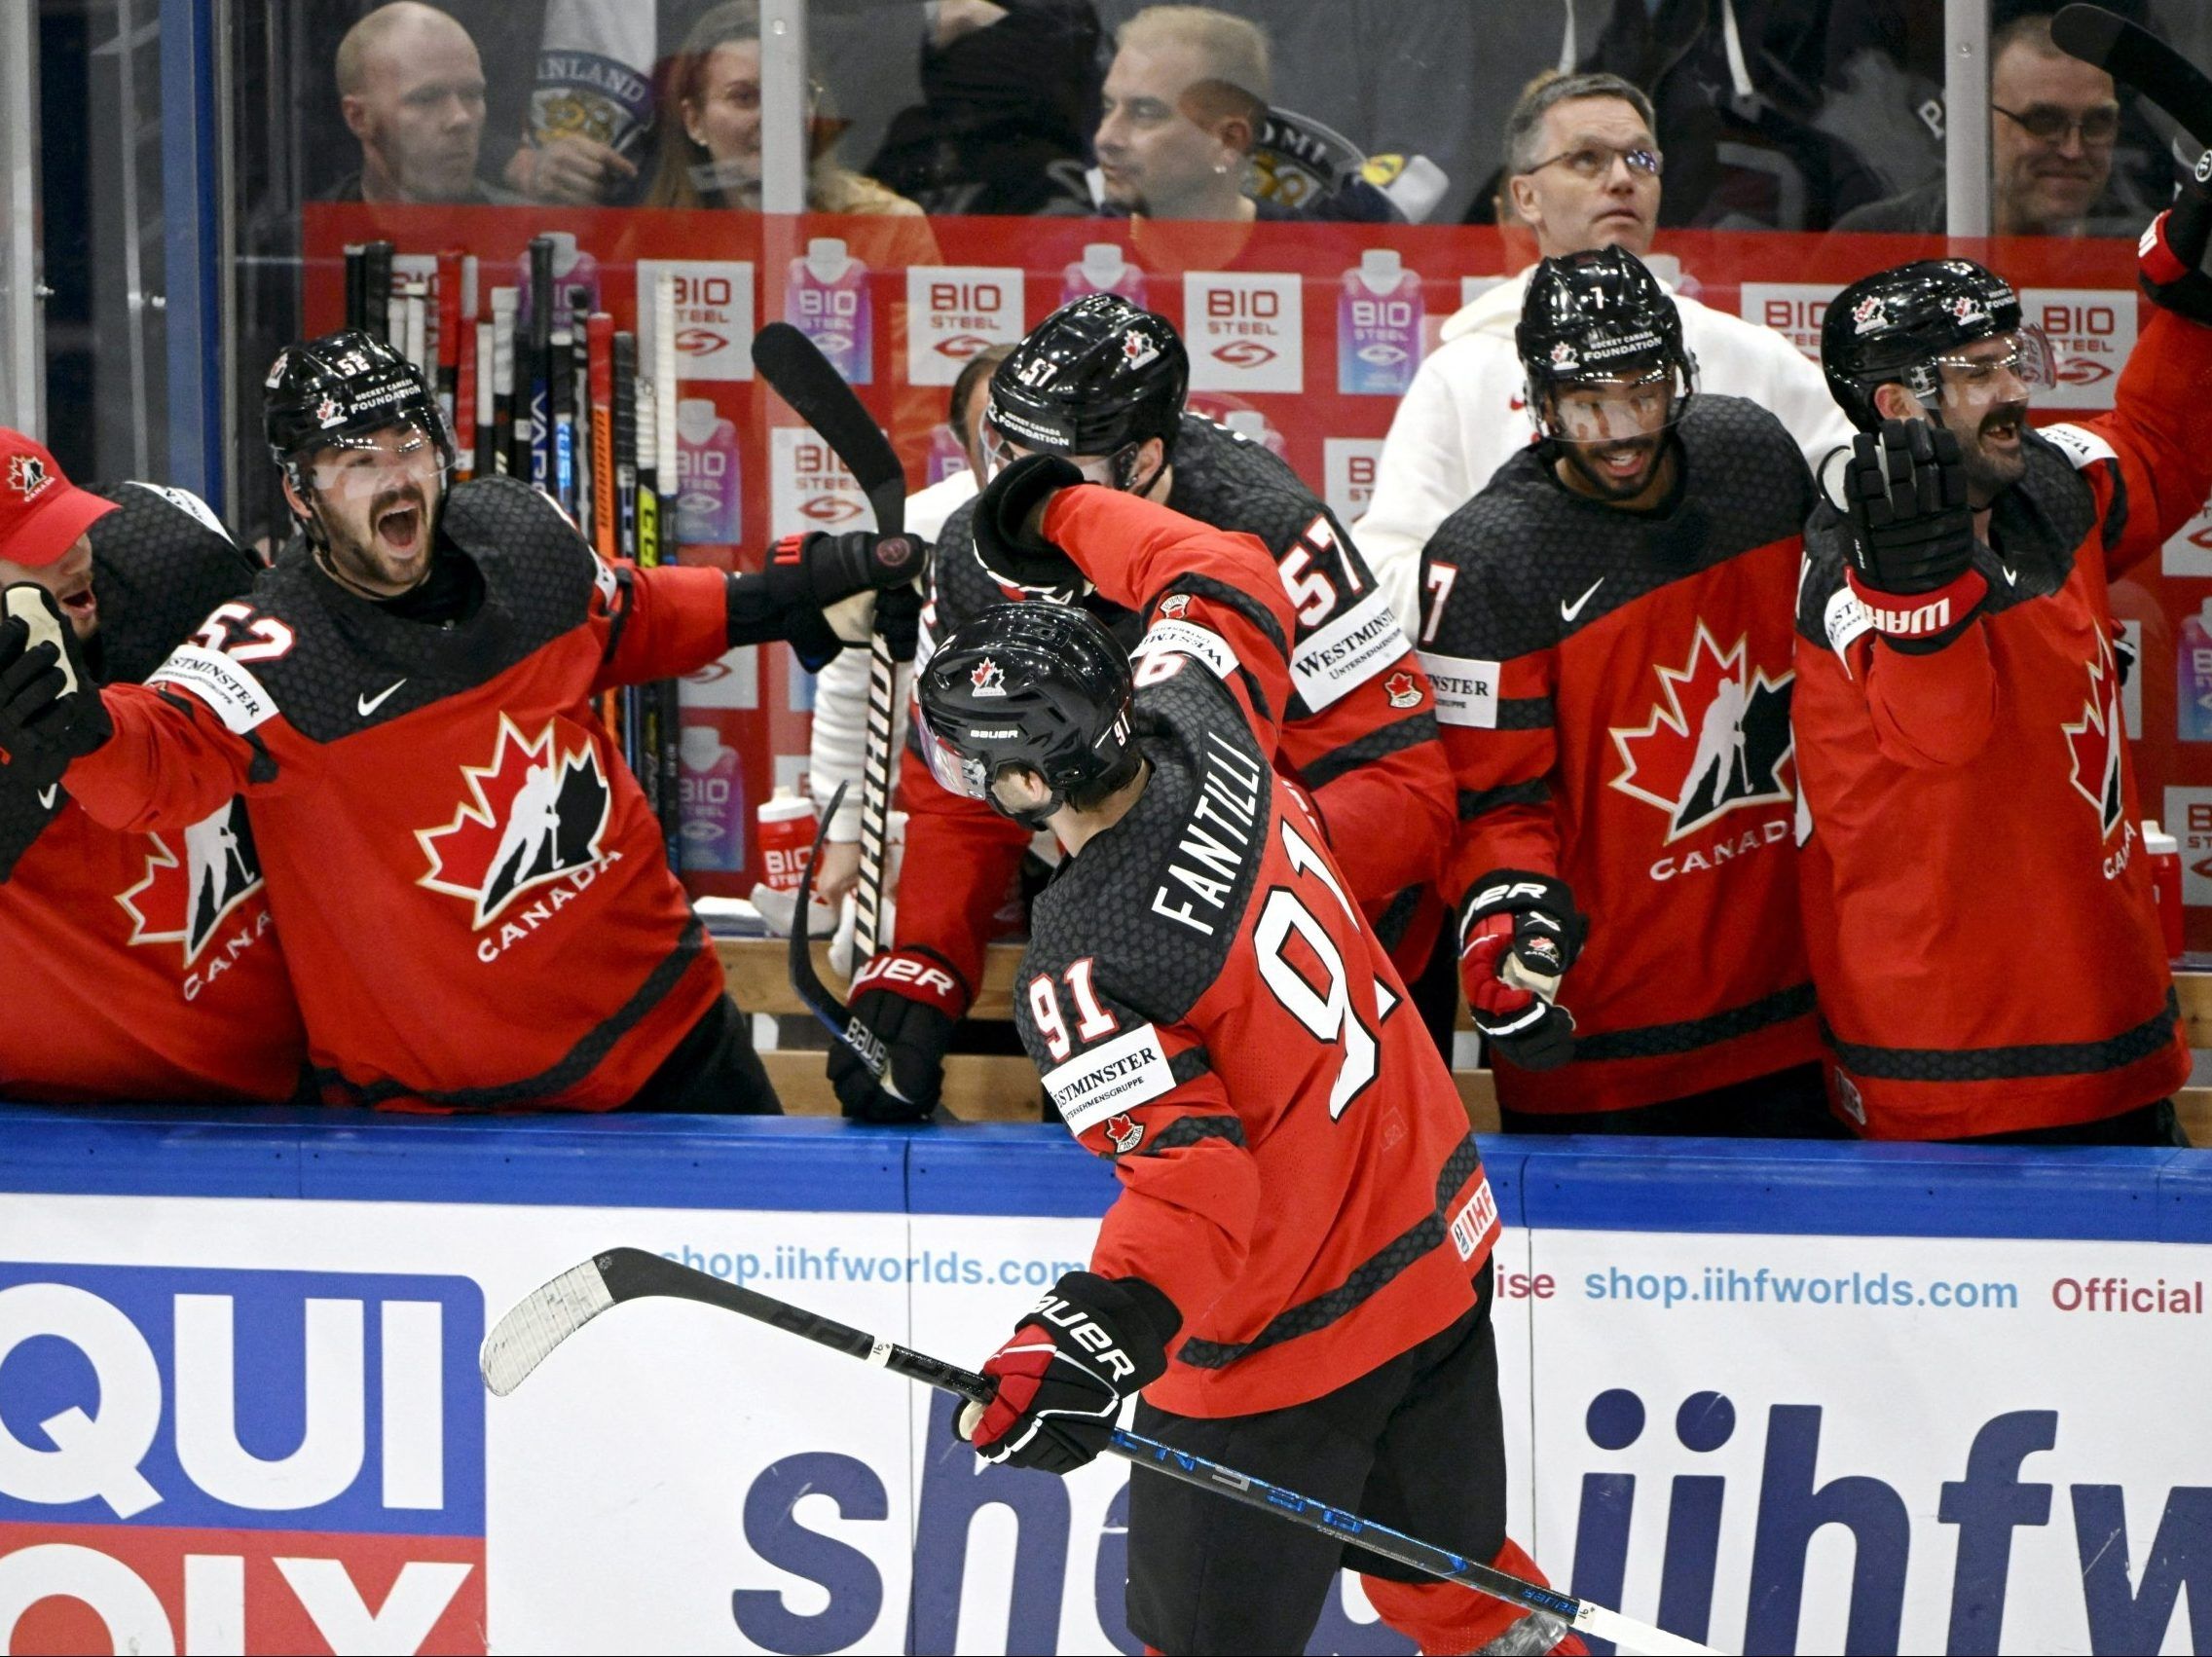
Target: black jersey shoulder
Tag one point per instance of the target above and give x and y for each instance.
(1225, 479)
(1536, 563)
(2038, 524)
(160, 561)
(352, 665)
(1158, 901)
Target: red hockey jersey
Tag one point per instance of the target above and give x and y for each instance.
(1978, 900)
(143, 967)
(1210, 1011)
(1358, 726)
(1614, 689)
(475, 900)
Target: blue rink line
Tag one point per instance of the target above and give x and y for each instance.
(808, 1164)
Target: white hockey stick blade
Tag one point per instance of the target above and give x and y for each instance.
(1632, 1635)
(538, 1322)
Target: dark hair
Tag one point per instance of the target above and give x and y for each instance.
(976, 372)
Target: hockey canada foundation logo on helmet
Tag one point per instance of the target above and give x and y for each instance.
(534, 816)
(1717, 739)
(988, 679)
(27, 475)
(2096, 742)
(186, 896)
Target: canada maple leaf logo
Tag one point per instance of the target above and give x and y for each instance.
(185, 899)
(2096, 741)
(1403, 690)
(1717, 739)
(537, 812)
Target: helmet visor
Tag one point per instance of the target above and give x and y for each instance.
(1001, 452)
(955, 772)
(1612, 409)
(364, 467)
(2025, 354)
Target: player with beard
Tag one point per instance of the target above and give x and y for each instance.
(1296, 1275)
(382, 699)
(1102, 382)
(1977, 904)
(1607, 632)
(150, 958)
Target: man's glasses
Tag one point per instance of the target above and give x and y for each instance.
(2047, 124)
(1596, 160)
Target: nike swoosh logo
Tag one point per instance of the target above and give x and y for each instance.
(370, 703)
(2012, 575)
(1568, 611)
(48, 795)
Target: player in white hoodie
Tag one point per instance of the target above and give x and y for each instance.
(1584, 173)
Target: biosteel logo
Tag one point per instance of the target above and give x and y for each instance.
(238, 1460)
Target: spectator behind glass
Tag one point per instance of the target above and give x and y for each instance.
(1009, 98)
(1583, 171)
(2052, 122)
(592, 106)
(1183, 100)
(412, 91)
(710, 150)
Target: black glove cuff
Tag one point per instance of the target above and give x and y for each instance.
(1008, 550)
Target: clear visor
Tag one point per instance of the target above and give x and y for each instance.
(1001, 452)
(360, 468)
(956, 773)
(1607, 411)
(2026, 356)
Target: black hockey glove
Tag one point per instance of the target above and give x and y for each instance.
(908, 1001)
(1062, 1376)
(2171, 258)
(1910, 533)
(51, 711)
(1519, 934)
(1008, 550)
(820, 591)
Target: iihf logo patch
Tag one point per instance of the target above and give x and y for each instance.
(27, 475)
(987, 680)
(536, 814)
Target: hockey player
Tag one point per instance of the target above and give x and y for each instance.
(147, 962)
(1296, 1275)
(416, 669)
(1977, 902)
(1608, 638)
(1103, 383)
(1584, 171)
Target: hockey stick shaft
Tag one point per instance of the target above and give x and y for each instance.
(2138, 60)
(804, 378)
(837, 1018)
(541, 361)
(666, 699)
(523, 1338)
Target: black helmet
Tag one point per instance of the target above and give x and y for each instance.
(1597, 312)
(1893, 324)
(345, 387)
(1097, 377)
(1038, 685)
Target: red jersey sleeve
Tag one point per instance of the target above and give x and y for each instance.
(658, 623)
(1204, 592)
(2149, 460)
(961, 857)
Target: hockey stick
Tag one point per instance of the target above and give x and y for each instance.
(541, 399)
(837, 1018)
(803, 378)
(665, 701)
(2135, 57)
(541, 1321)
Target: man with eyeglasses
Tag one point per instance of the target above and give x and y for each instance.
(476, 902)
(2054, 121)
(1978, 898)
(1101, 383)
(1583, 172)
(1608, 638)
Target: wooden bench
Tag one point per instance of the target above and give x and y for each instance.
(1004, 1088)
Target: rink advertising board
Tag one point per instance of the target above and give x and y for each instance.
(1301, 335)
(1785, 1399)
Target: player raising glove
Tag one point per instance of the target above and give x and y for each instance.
(908, 1000)
(855, 581)
(1009, 544)
(49, 713)
(1090, 1343)
(1902, 491)
(2173, 252)
(1520, 933)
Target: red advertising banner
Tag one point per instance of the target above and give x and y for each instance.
(1303, 335)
